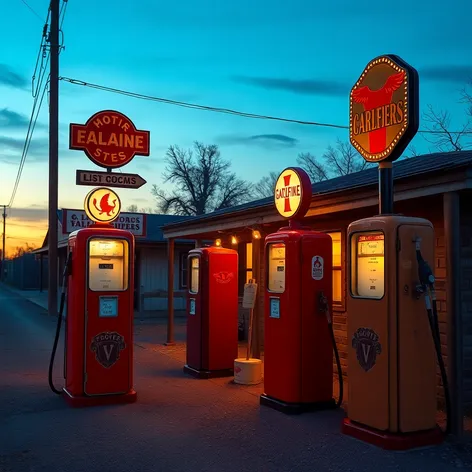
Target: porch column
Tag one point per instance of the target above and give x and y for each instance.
(258, 312)
(198, 243)
(40, 272)
(170, 292)
(451, 208)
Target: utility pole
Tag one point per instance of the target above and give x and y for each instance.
(2, 274)
(53, 155)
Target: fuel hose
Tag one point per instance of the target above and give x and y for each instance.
(58, 328)
(325, 308)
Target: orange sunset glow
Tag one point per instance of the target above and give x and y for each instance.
(22, 233)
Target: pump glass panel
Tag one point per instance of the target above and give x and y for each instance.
(194, 272)
(276, 267)
(368, 268)
(108, 261)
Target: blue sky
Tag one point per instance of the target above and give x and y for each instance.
(294, 59)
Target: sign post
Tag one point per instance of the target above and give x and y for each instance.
(384, 117)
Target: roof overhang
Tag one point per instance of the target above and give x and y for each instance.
(411, 187)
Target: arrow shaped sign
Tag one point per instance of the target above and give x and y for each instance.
(108, 179)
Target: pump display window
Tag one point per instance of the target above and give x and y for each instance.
(276, 268)
(108, 265)
(367, 265)
(194, 273)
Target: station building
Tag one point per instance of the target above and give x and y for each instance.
(437, 187)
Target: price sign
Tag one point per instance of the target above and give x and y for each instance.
(249, 297)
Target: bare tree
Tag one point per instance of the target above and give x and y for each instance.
(20, 250)
(440, 134)
(132, 208)
(202, 182)
(314, 168)
(265, 186)
(343, 159)
(411, 152)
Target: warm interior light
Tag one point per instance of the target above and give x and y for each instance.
(234, 240)
(218, 242)
(256, 234)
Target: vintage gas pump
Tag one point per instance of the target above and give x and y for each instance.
(212, 312)
(299, 340)
(99, 274)
(392, 328)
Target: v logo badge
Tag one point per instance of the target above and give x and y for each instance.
(365, 351)
(108, 350)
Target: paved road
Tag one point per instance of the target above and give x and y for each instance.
(178, 423)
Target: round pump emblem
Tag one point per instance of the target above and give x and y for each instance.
(292, 193)
(102, 205)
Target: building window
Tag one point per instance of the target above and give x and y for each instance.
(245, 265)
(248, 267)
(337, 268)
(183, 270)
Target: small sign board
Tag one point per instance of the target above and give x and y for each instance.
(249, 297)
(120, 180)
(72, 220)
(109, 139)
(292, 193)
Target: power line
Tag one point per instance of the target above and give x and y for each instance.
(33, 11)
(221, 110)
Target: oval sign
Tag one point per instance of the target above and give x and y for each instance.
(292, 194)
(109, 139)
(102, 205)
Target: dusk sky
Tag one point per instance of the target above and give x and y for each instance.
(294, 59)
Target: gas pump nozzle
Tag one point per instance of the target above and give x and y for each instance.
(323, 306)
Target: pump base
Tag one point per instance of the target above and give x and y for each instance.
(80, 402)
(392, 441)
(208, 374)
(295, 408)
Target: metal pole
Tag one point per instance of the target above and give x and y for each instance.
(170, 293)
(257, 313)
(3, 238)
(451, 210)
(385, 188)
(53, 156)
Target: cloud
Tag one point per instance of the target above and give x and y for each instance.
(12, 148)
(11, 79)
(29, 215)
(445, 73)
(303, 87)
(269, 141)
(13, 120)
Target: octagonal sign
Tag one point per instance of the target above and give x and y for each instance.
(384, 110)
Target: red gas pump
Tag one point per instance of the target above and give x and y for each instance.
(98, 351)
(212, 312)
(298, 365)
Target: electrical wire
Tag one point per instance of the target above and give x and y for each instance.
(42, 73)
(32, 10)
(219, 110)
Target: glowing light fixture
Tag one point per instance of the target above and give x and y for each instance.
(256, 234)
(234, 240)
(218, 242)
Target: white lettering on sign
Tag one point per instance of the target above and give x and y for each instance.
(73, 220)
(317, 267)
(288, 193)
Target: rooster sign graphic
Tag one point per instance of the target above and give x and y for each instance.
(384, 109)
(102, 205)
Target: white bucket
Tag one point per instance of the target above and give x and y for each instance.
(247, 371)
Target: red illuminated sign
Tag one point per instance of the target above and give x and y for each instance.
(109, 139)
(384, 109)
